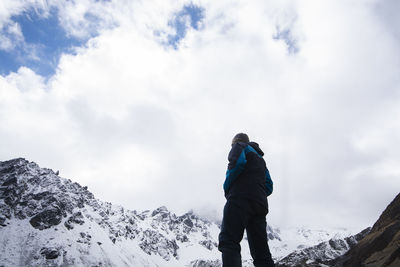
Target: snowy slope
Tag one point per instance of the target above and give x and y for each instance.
(49, 220)
(293, 239)
(323, 253)
(46, 220)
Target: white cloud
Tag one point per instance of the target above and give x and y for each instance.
(86, 18)
(11, 36)
(144, 125)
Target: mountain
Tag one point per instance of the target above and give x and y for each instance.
(47, 220)
(381, 247)
(323, 253)
(373, 247)
(291, 240)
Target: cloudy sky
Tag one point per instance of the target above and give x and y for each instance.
(139, 100)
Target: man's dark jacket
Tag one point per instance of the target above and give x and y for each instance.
(247, 175)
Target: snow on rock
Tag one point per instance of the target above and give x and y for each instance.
(47, 220)
(287, 240)
(323, 253)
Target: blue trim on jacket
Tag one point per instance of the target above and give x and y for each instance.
(232, 174)
(249, 148)
(237, 164)
(269, 183)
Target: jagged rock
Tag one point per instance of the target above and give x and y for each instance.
(10, 181)
(182, 238)
(50, 253)
(208, 244)
(2, 220)
(47, 218)
(188, 222)
(84, 238)
(5, 211)
(76, 218)
(152, 241)
(43, 195)
(8, 167)
(205, 263)
(163, 210)
(273, 233)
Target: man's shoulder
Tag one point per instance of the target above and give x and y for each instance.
(249, 149)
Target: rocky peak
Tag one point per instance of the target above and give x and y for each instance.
(28, 191)
(390, 214)
(161, 210)
(51, 203)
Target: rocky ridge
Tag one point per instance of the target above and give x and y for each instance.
(381, 247)
(38, 196)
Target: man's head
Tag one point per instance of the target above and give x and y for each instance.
(240, 137)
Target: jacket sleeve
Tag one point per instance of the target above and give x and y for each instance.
(269, 183)
(237, 161)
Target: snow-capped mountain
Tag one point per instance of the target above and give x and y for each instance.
(288, 240)
(323, 253)
(47, 220)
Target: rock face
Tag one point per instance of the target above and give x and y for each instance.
(45, 219)
(381, 247)
(50, 253)
(53, 221)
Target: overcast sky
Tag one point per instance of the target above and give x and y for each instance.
(139, 100)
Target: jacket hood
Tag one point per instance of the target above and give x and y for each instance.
(257, 148)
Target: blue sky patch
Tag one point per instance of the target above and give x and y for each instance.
(44, 42)
(190, 16)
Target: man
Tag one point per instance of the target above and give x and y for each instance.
(247, 185)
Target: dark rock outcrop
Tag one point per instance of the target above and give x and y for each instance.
(47, 218)
(208, 244)
(50, 253)
(381, 247)
(152, 241)
(29, 191)
(76, 218)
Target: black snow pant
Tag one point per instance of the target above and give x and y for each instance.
(240, 214)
